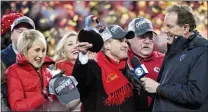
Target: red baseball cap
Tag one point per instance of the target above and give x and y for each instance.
(7, 21)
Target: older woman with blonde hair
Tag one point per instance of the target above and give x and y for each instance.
(28, 78)
(65, 54)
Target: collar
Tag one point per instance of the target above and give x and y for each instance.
(63, 60)
(15, 51)
(22, 60)
(131, 54)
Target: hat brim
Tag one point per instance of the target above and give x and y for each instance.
(73, 95)
(92, 37)
(148, 30)
(127, 35)
(130, 35)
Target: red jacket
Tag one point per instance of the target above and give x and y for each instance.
(24, 84)
(153, 64)
(65, 65)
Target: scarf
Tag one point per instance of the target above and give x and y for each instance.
(116, 86)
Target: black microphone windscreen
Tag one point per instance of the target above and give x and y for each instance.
(135, 62)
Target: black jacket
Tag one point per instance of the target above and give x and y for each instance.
(92, 93)
(8, 56)
(184, 77)
(4, 98)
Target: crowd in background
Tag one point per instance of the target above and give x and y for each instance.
(54, 18)
(170, 56)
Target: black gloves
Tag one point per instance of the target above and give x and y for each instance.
(137, 84)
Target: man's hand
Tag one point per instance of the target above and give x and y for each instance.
(92, 55)
(149, 84)
(83, 47)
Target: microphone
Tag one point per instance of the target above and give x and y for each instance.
(139, 69)
(91, 34)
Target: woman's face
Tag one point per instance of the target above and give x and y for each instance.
(68, 50)
(36, 54)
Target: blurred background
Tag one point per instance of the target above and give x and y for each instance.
(55, 18)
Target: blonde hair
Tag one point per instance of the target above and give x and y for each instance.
(60, 45)
(27, 38)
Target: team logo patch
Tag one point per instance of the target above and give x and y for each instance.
(182, 57)
(156, 69)
(112, 77)
(139, 71)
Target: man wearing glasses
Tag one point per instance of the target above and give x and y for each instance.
(20, 24)
(142, 45)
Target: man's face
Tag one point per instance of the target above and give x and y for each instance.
(142, 45)
(16, 33)
(118, 48)
(171, 28)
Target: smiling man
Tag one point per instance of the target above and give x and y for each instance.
(142, 46)
(184, 79)
(104, 84)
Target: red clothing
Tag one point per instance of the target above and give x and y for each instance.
(115, 84)
(153, 64)
(66, 66)
(24, 84)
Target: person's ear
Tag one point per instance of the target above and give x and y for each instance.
(62, 53)
(186, 28)
(107, 45)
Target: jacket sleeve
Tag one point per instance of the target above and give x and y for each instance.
(85, 74)
(16, 96)
(195, 90)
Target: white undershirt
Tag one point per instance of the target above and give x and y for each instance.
(14, 50)
(83, 58)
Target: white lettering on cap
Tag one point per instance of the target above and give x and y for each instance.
(114, 29)
(63, 85)
(138, 24)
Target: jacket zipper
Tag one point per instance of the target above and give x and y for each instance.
(39, 75)
(41, 81)
(41, 78)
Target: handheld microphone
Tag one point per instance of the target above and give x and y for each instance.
(139, 69)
